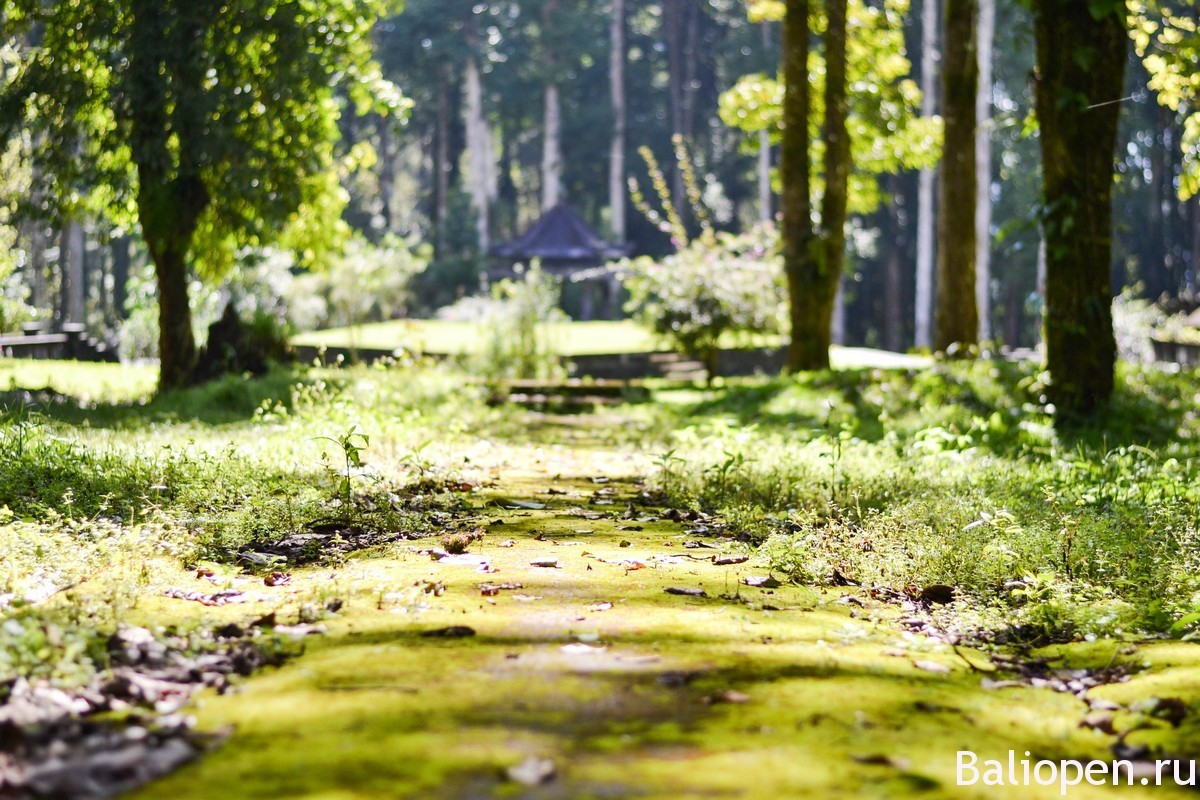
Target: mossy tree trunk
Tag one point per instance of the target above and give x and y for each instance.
(956, 316)
(813, 263)
(1081, 53)
(171, 195)
(795, 199)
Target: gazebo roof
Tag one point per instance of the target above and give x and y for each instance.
(559, 235)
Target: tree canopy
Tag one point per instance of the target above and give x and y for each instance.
(212, 124)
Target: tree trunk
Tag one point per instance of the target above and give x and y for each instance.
(893, 327)
(479, 143)
(169, 205)
(765, 213)
(1153, 255)
(616, 163)
(957, 322)
(837, 166)
(70, 261)
(387, 175)
(815, 270)
(441, 169)
(926, 220)
(1194, 271)
(120, 277)
(805, 350)
(1081, 53)
(983, 170)
(551, 149)
(674, 14)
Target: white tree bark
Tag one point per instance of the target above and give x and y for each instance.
(616, 162)
(926, 222)
(983, 169)
(837, 323)
(765, 210)
(551, 149)
(480, 155)
(71, 260)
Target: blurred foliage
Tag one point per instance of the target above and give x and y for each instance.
(886, 132)
(717, 285)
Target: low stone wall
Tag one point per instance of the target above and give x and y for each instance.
(1169, 352)
(71, 343)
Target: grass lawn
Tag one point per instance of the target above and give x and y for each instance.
(569, 339)
(609, 616)
(467, 338)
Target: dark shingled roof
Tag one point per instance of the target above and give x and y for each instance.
(560, 235)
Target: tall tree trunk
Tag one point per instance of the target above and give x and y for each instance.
(479, 143)
(387, 175)
(813, 279)
(765, 212)
(893, 282)
(1153, 255)
(1194, 271)
(170, 203)
(983, 170)
(926, 219)
(693, 15)
(551, 149)
(441, 168)
(120, 277)
(799, 254)
(836, 164)
(1081, 53)
(70, 261)
(674, 20)
(35, 240)
(956, 319)
(616, 161)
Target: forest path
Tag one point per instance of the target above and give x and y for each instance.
(586, 678)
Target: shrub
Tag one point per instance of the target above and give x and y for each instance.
(717, 287)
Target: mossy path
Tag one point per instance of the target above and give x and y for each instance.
(628, 691)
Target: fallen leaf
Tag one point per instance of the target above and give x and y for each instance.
(640, 659)
(729, 696)
(277, 579)
(217, 599)
(881, 760)
(299, 631)
(533, 771)
(525, 504)
(1099, 721)
(686, 591)
(466, 560)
